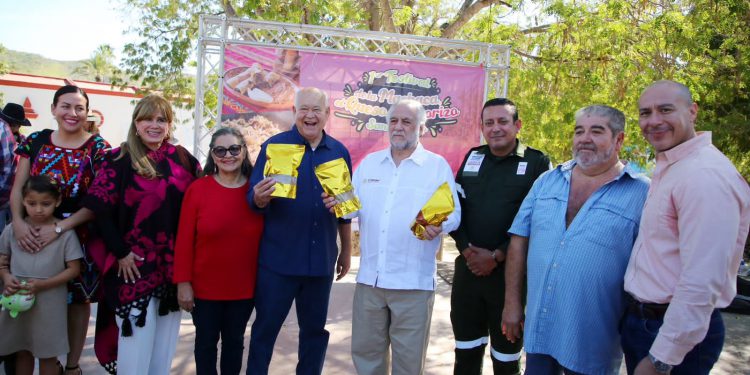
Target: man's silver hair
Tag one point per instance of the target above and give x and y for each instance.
(615, 118)
(414, 105)
(311, 90)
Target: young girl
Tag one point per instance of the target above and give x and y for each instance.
(41, 331)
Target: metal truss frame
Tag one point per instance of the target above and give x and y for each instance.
(215, 32)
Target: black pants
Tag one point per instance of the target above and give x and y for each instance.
(220, 319)
(9, 362)
(476, 312)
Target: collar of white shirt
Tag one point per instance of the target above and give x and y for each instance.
(418, 157)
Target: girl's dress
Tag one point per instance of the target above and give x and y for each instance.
(43, 329)
(139, 215)
(74, 170)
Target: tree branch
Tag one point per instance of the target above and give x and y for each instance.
(468, 10)
(565, 61)
(536, 29)
(373, 10)
(414, 17)
(228, 9)
(386, 16)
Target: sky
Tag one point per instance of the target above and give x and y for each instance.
(71, 30)
(62, 29)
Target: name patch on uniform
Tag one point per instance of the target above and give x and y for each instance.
(522, 168)
(471, 168)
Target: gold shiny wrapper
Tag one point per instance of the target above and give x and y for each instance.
(282, 161)
(336, 181)
(435, 211)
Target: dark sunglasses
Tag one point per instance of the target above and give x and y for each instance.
(220, 151)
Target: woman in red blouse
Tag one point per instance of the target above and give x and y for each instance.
(216, 255)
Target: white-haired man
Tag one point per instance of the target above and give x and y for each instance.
(395, 288)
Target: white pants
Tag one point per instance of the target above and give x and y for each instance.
(149, 351)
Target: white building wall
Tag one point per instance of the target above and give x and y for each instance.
(116, 110)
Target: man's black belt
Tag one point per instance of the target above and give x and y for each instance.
(647, 310)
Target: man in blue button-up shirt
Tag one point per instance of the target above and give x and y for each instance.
(298, 249)
(572, 237)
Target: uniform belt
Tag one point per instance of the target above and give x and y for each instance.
(647, 310)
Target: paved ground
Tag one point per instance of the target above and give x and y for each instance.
(735, 358)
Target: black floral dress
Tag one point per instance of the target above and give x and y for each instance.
(140, 215)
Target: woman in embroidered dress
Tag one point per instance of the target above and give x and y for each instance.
(72, 157)
(136, 199)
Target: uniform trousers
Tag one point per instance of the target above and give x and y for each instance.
(476, 313)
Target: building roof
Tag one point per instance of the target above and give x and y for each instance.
(53, 83)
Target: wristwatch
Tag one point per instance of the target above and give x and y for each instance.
(661, 367)
(494, 256)
(58, 229)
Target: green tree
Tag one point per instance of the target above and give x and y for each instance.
(608, 51)
(573, 54)
(4, 68)
(101, 65)
(169, 28)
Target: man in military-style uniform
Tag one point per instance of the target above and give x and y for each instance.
(492, 182)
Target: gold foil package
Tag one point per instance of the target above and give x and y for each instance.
(435, 211)
(282, 161)
(336, 181)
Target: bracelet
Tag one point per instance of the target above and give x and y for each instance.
(494, 256)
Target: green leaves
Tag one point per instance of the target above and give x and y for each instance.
(101, 66)
(608, 51)
(575, 53)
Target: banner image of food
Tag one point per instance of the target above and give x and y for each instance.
(336, 181)
(282, 161)
(435, 211)
(260, 83)
(258, 88)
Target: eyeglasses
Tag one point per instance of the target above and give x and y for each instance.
(220, 151)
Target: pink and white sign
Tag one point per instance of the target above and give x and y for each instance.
(259, 86)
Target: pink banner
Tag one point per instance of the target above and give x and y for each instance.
(259, 86)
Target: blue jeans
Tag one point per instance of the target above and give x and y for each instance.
(543, 364)
(225, 319)
(638, 335)
(274, 294)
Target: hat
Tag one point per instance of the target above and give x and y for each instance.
(14, 114)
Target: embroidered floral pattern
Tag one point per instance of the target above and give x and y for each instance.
(146, 215)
